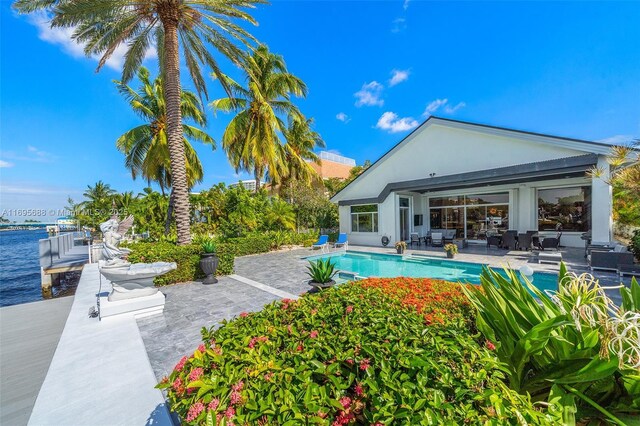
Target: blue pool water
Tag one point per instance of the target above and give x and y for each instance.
(389, 266)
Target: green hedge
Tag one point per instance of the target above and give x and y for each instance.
(187, 258)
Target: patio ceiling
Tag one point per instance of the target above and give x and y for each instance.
(529, 172)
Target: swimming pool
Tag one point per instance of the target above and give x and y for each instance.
(389, 266)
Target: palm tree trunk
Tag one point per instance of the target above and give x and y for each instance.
(171, 83)
(258, 174)
(167, 222)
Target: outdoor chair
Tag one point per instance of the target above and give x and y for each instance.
(551, 242)
(342, 241)
(436, 239)
(610, 260)
(415, 238)
(509, 240)
(322, 243)
(525, 241)
(494, 240)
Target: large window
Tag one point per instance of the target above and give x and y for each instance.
(564, 208)
(472, 216)
(364, 218)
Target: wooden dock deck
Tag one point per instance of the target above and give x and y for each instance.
(29, 335)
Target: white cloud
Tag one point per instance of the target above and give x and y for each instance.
(398, 76)
(343, 117)
(62, 37)
(451, 109)
(389, 121)
(398, 25)
(5, 164)
(370, 94)
(405, 5)
(33, 154)
(433, 106)
(447, 108)
(618, 139)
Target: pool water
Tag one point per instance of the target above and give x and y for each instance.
(389, 266)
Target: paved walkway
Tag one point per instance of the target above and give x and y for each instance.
(100, 373)
(29, 335)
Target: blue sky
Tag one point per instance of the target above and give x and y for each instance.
(374, 71)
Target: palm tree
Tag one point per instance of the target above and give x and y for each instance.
(298, 151)
(99, 195)
(145, 147)
(179, 28)
(252, 138)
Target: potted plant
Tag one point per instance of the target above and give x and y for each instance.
(322, 273)
(401, 246)
(451, 250)
(209, 261)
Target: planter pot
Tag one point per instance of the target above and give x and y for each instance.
(209, 264)
(400, 250)
(321, 286)
(450, 255)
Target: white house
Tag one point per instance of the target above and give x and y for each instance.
(476, 180)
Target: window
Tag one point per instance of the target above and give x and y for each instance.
(565, 208)
(364, 218)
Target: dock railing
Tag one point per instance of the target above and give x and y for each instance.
(52, 249)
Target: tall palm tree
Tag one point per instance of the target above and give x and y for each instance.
(252, 138)
(298, 151)
(99, 195)
(179, 28)
(145, 146)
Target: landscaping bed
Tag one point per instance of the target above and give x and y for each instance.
(379, 351)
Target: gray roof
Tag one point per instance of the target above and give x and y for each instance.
(541, 170)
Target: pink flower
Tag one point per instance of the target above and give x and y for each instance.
(202, 348)
(180, 365)
(213, 404)
(235, 398)
(364, 364)
(349, 361)
(290, 328)
(349, 309)
(243, 314)
(490, 346)
(268, 376)
(358, 390)
(194, 411)
(238, 386)
(345, 401)
(300, 348)
(313, 334)
(195, 374)
(314, 311)
(230, 412)
(177, 384)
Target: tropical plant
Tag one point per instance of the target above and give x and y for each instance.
(634, 245)
(252, 138)
(354, 354)
(180, 29)
(279, 215)
(322, 271)
(451, 248)
(301, 140)
(401, 245)
(208, 246)
(573, 347)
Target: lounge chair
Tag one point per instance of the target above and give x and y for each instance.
(436, 239)
(322, 243)
(494, 240)
(525, 242)
(611, 259)
(415, 238)
(341, 242)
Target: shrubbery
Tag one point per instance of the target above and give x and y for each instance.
(188, 257)
(354, 354)
(634, 246)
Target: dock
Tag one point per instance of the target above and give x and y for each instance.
(60, 254)
(29, 335)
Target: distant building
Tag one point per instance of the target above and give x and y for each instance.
(249, 184)
(333, 165)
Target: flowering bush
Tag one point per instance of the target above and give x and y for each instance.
(359, 353)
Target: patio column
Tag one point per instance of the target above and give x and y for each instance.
(525, 209)
(601, 205)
